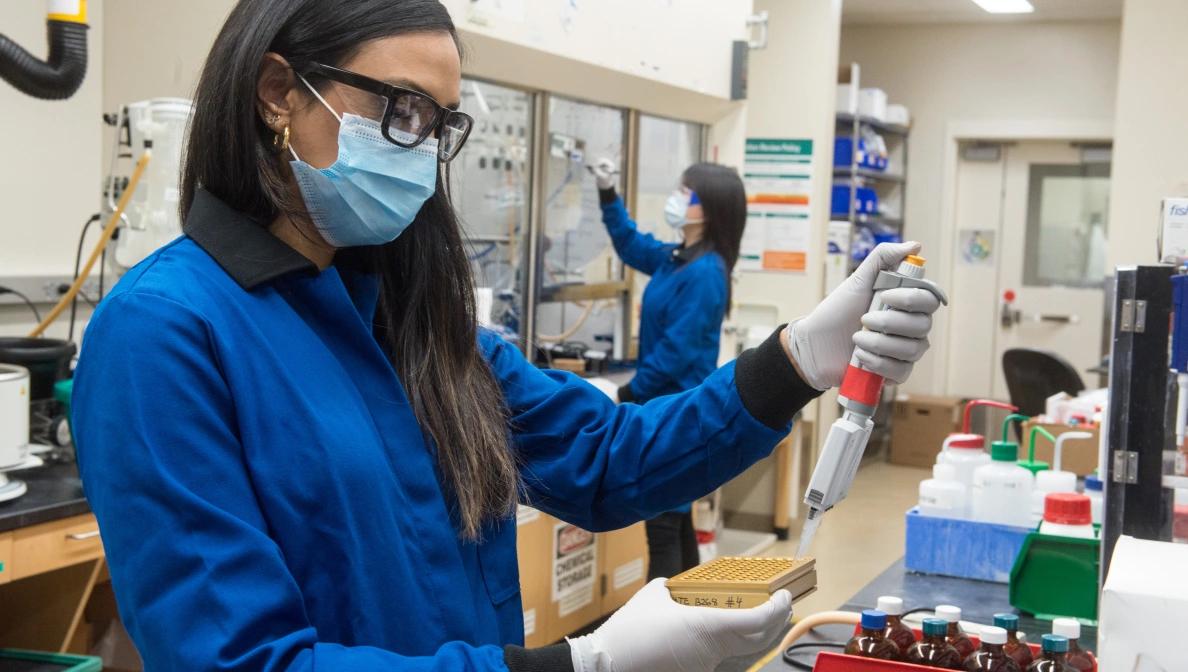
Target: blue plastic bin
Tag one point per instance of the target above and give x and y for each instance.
(868, 200)
(843, 151)
(962, 548)
(844, 155)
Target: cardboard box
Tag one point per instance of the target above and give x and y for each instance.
(1142, 608)
(575, 586)
(623, 558)
(533, 547)
(919, 425)
(1078, 456)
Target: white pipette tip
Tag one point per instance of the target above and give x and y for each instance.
(811, 523)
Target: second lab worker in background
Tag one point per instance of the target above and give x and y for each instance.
(687, 297)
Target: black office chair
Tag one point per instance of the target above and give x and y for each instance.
(1034, 375)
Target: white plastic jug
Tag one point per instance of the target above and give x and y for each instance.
(1068, 515)
(1054, 480)
(943, 496)
(965, 452)
(1002, 489)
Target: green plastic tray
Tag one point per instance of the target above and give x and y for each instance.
(1057, 576)
(17, 660)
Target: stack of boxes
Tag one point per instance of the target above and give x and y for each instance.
(569, 577)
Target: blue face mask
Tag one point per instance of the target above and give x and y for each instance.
(372, 192)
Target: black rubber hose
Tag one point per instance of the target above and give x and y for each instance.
(55, 78)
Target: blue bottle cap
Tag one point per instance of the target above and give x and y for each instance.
(873, 619)
(935, 627)
(1092, 483)
(1055, 644)
(1008, 622)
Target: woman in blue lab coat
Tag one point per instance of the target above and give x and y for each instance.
(302, 453)
(681, 315)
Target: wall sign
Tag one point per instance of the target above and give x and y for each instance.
(778, 173)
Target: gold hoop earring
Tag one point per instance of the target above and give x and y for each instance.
(280, 141)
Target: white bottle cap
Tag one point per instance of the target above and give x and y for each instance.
(890, 605)
(944, 472)
(1067, 627)
(949, 613)
(994, 635)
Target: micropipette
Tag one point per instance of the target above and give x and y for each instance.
(859, 397)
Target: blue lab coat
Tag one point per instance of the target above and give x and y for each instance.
(681, 314)
(266, 497)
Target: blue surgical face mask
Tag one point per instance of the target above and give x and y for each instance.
(374, 189)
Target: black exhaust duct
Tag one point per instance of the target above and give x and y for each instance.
(55, 78)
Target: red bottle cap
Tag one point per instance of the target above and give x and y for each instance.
(1067, 508)
(967, 441)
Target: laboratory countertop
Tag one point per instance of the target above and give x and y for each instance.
(55, 492)
(979, 601)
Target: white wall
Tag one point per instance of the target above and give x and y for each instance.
(655, 55)
(792, 92)
(791, 84)
(1150, 143)
(157, 49)
(50, 175)
(1017, 72)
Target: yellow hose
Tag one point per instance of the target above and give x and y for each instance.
(104, 238)
(823, 618)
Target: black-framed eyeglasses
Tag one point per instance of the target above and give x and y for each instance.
(407, 113)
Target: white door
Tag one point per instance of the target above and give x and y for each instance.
(1029, 260)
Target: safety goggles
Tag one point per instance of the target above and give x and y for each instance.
(405, 111)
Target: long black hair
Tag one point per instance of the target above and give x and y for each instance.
(724, 202)
(425, 320)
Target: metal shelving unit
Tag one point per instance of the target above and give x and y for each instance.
(891, 186)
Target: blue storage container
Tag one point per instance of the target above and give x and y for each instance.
(843, 151)
(839, 201)
(868, 201)
(867, 198)
(962, 548)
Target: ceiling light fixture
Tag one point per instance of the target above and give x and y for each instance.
(1006, 6)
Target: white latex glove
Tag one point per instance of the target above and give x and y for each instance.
(651, 633)
(823, 342)
(605, 173)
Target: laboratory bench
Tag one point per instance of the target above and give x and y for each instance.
(55, 492)
(979, 601)
(53, 580)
